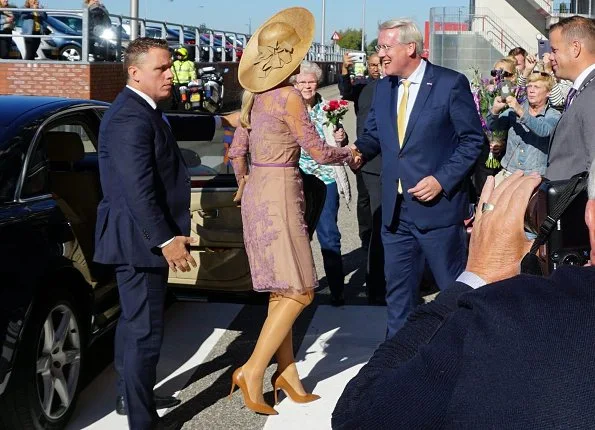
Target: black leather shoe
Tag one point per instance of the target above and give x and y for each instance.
(337, 300)
(160, 403)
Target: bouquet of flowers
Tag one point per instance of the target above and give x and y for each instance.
(484, 93)
(335, 111)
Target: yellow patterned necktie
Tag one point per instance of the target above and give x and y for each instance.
(402, 120)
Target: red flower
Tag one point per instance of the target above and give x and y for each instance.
(333, 104)
(344, 102)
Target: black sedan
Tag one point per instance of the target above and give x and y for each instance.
(54, 301)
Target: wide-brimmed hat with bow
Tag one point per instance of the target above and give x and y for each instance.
(276, 49)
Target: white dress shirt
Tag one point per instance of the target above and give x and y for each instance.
(471, 279)
(153, 105)
(415, 79)
(581, 78)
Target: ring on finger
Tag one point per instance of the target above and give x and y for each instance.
(487, 207)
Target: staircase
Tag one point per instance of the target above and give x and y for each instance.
(503, 38)
(462, 41)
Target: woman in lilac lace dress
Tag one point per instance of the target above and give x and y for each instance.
(275, 126)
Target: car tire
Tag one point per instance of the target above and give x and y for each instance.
(70, 53)
(45, 383)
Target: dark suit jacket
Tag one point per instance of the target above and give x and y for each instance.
(351, 91)
(373, 166)
(145, 183)
(514, 354)
(443, 139)
(572, 145)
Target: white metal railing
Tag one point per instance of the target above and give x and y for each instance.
(207, 45)
(546, 5)
(482, 22)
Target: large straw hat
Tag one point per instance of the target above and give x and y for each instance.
(276, 49)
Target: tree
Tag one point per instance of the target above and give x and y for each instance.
(351, 38)
(371, 48)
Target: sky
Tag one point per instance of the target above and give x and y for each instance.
(240, 15)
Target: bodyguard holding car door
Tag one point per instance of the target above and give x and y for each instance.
(143, 220)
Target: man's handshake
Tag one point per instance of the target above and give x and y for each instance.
(358, 160)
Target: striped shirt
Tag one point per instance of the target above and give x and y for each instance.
(307, 163)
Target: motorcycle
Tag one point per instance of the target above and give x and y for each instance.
(205, 93)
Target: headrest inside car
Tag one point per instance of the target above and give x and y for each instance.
(64, 146)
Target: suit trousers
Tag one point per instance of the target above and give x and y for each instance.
(375, 282)
(139, 335)
(364, 210)
(405, 247)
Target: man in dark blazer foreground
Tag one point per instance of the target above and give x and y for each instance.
(424, 122)
(143, 220)
(572, 144)
(517, 353)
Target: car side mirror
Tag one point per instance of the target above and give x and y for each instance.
(191, 158)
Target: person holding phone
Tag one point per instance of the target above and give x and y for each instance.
(529, 125)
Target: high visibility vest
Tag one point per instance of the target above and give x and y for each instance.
(183, 71)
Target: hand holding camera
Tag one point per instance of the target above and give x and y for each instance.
(513, 103)
(499, 105)
(347, 65)
(498, 242)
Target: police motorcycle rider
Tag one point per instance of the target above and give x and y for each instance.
(183, 71)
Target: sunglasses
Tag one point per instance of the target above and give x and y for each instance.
(544, 74)
(503, 73)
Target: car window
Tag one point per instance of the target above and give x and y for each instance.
(36, 179)
(88, 143)
(212, 155)
(73, 22)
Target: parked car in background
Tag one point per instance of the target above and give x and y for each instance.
(106, 47)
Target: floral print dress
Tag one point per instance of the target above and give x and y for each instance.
(275, 233)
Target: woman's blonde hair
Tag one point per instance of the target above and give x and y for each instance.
(510, 62)
(247, 103)
(546, 78)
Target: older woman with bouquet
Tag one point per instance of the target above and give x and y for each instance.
(326, 118)
(529, 125)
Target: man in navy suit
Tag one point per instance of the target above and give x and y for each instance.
(143, 220)
(424, 122)
(516, 353)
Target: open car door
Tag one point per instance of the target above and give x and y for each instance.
(222, 263)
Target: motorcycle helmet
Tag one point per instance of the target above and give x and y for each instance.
(182, 52)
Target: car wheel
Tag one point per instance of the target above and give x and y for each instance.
(45, 383)
(71, 53)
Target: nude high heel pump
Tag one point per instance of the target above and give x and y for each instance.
(260, 408)
(280, 383)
